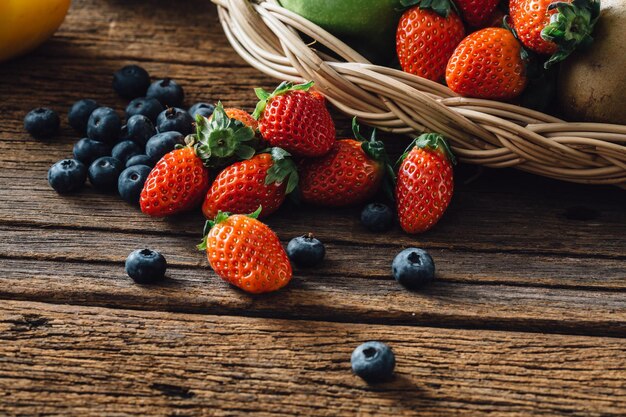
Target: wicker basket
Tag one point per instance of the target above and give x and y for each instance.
(483, 132)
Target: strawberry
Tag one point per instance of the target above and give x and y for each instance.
(180, 179)
(425, 183)
(241, 115)
(295, 120)
(487, 64)
(477, 13)
(426, 37)
(264, 180)
(554, 27)
(246, 253)
(350, 173)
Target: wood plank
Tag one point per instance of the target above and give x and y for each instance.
(331, 298)
(64, 360)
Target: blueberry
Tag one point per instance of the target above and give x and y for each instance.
(88, 150)
(145, 266)
(149, 107)
(168, 92)
(79, 113)
(162, 143)
(131, 81)
(175, 120)
(373, 361)
(203, 109)
(125, 150)
(377, 217)
(139, 160)
(42, 123)
(306, 251)
(139, 128)
(104, 125)
(413, 268)
(103, 173)
(67, 175)
(130, 182)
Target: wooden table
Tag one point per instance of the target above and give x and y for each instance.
(528, 315)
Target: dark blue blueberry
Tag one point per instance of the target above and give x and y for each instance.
(79, 113)
(139, 128)
(67, 176)
(413, 268)
(131, 81)
(130, 182)
(104, 125)
(203, 109)
(125, 150)
(145, 266)
(149, 107)
(88, 150)
(377, 217)
(175, 120)
(306, 251)
(162, 143)
(103, 173)
(373, 361)
(42, 123)
(139, 160)
(168, 92)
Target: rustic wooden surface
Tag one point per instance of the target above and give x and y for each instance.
(528, 316)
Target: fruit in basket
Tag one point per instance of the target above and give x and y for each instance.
(425, 183)
(591, 85)
(306, 251)
(293, 119)
(554, 28)
(25, 24)
(246, 253)
(426, 38)
(487, 64)
(42, 123)
(477, 13)
(263, 180)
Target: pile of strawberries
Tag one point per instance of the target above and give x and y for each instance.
(237, 163)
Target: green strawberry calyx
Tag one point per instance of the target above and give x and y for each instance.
(283, 169)
(220, 218)
(441, 7)
(283, 88)
(570, 27)
(431, 141)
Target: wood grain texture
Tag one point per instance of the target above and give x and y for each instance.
(91, 361)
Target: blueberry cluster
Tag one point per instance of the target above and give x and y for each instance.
(115, 155)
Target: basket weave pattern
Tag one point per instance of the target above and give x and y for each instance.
(482, 132)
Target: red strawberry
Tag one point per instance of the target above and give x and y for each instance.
(426, 37)
(241, 115)
(477, 13)
(295, 120)
(425, 183)
(554, 27)
(487, 64)
(350, 173)
(246, 253)
(263, 180)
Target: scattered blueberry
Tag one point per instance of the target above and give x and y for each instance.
(149, 107)
(79, 113)
(413, 268)
(104, 125)
(42, 123)
(168, 92)
(373, 361)
(88, 150)
(145, 266)
(130, 182)
(131, 81)
(377, 217)
(67, 175)
(162, 143)
(125, 150)
(139, 160)
(306, 251)
(203, 109)
(103, 173)
(139, 128)
(175, 120)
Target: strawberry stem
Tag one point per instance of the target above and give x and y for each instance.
(283, 169)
